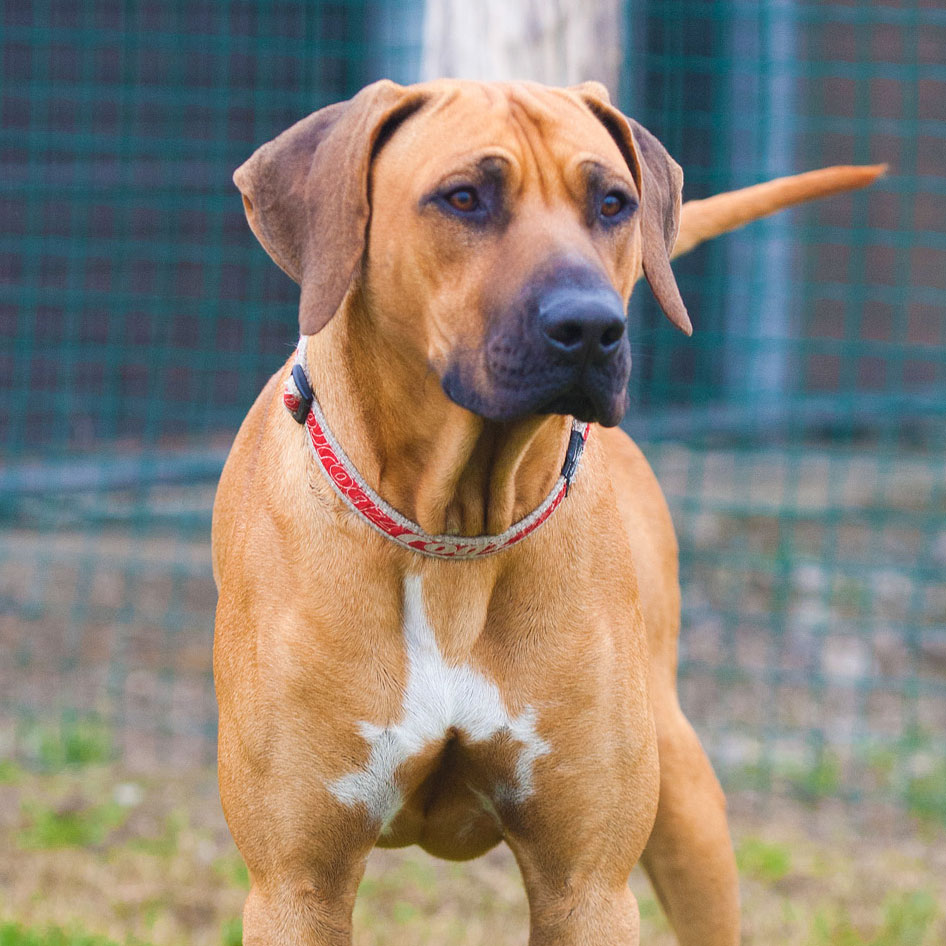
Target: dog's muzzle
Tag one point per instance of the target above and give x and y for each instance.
(561, 349)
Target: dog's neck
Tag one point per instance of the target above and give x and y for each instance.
(449, 470)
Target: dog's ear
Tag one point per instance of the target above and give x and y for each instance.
(592, 90)
(306, 193)
(660, 184)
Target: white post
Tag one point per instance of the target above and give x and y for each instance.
(559, 42)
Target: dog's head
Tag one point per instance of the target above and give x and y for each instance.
(495, 232)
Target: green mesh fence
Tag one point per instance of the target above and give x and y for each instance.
(800, 435)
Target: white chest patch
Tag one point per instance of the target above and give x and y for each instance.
(437, 697)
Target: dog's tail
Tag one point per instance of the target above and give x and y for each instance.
(702, 220)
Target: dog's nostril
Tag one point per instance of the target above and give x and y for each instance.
(580, 323)
(567, 333)
(612, 334)
(579, 333)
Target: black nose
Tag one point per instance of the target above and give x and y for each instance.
(582, 324)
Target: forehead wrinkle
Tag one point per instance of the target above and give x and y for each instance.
(532, 123)
(493, 93)
(564, 130)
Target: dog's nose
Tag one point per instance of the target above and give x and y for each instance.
(582, 324)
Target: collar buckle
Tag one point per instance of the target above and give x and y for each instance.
(576, 444)
(305, 396)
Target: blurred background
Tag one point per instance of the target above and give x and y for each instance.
(800, 435)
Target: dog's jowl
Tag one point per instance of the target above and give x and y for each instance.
(449, 605)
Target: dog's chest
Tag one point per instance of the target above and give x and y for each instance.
(440, 701)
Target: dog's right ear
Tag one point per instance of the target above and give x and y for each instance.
(306, 193)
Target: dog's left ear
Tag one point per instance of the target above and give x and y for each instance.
(660, 184)
(306, 193)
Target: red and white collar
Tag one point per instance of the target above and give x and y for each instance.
(357, 494)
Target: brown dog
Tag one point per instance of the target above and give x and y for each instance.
(403, 656)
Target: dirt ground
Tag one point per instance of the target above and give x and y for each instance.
(93, 848)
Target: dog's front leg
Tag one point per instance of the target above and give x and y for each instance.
(581, 898)
(305, 866)
(304, 848)
(586, 917)
(578, 837)
(296, 912)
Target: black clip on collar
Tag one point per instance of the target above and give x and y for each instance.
(576, 443)
(305, 394)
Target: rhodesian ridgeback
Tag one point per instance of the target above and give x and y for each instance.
(449, 605)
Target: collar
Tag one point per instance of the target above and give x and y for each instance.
(362, 499)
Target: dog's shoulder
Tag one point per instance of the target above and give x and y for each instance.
(638, 493)
(651, 537)
(240, 468)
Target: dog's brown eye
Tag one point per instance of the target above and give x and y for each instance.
(613, 204)
(463, 199)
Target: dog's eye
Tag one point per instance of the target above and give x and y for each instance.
(612, 205)
(464, 199)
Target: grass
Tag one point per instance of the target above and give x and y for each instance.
(908, 920)
(763, 860)
(232, 869)
(923, 792)
(925, 795)
(90, 856)
(71, 825)
(74, 741)
(910, 769)
(232, 932)
(15, 934)
(810, 783)
(165, 843)
(9, 772)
